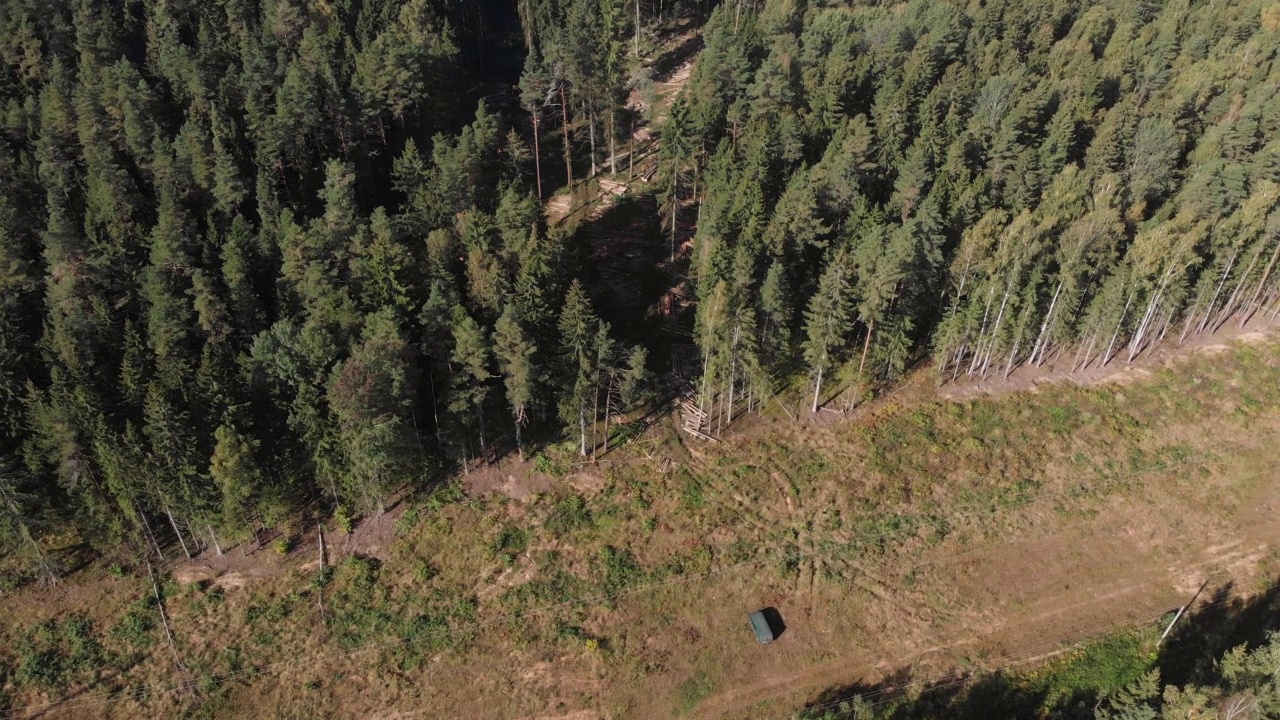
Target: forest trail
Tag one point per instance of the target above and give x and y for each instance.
(637, 157)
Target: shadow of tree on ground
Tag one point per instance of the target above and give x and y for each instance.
(1071, 688)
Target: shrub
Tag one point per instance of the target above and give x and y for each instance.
(568, 515)
(510, 543)
(342, 518)
(135, 626)
(408, 521)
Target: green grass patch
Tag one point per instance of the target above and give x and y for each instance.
(692, 691)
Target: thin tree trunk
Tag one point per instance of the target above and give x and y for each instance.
(195, 537)
(866, 345)
(955, 308)
(675, 179)
(733, 367)
(637, 45)
(1044, 327)
(1017, 342)
(519, 441)
(1106, 356)
(537, 153)
(582, 428)
(1231, 305)
(595, 414)
(955, 362)
(212, 536)
(1135, 345)
(174, 524)
(320, 589)
(146, 528)
(608, 406)
(995, 329)
(591, 140)
(982, 332)
(706, 383)
(1191, 318)
(435, 411)
(613, 146)
(568, 150)
(164, 618)
(1266, 274)
(1164, 328)
(1213, 301)
(1087, 353)
(817, 388)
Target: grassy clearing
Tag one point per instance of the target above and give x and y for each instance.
(629, 595)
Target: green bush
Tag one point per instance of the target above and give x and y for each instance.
(342, 518)
(54, 654)
(281, 546)
(408, 521)
(619, 568)
(510, 543)
(568, 515)
(135, 626)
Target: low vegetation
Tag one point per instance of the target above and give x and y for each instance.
(592, 576)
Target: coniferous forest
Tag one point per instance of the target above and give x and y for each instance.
(261, 255)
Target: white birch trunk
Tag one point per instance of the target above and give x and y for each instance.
(1250, 308)
(1106, 356)
(214, 537)
(995, 329)
(1231, 305)
(1135, 344)
(817, 388)
(982, 330)
(174, 524)
(1213, 301)
(1044, 327)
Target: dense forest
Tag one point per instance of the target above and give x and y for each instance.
(983, 185)
(263, 255)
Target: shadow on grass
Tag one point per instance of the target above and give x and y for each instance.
(1073, 688)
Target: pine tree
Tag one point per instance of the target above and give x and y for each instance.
(370, 394)
(17, 519)
(828, 320)
(471, 358)
(237, 475)
(515, 359)
(578, 327)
